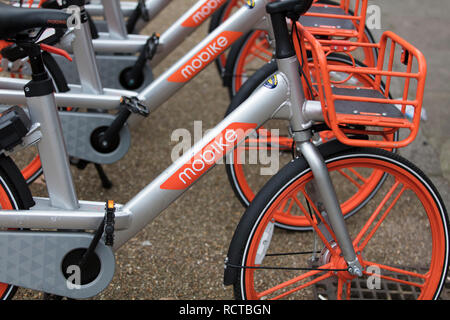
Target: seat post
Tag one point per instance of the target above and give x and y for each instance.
(52, 149)
(85, 56)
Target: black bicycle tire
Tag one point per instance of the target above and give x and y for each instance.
(288, 175)
(215, 21)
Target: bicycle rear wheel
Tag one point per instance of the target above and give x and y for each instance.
(401, 236)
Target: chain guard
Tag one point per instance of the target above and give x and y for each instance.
(109, 67)
(34, 260)
(78, 128)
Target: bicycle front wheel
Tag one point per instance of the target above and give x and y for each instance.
(400, 236)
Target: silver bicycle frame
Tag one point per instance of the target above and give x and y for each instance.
(283, 101)
(266, 103)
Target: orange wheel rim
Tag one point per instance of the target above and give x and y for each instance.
(31, 169)
(254, 48)
(428, 281)
(233, 4)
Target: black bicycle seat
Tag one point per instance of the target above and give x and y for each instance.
(14, 20)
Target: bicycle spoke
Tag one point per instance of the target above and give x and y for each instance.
(375, 214)
(257, 55)
(398, 271)
(340, 288)
(314, 222)
(349, 288)
(358, 175)
(286, 212)
(352, 180)
(295, 280)
(260, 51)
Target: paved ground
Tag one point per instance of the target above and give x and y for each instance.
(180, 255)
(426, 27)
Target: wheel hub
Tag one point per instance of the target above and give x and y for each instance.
(337, 262)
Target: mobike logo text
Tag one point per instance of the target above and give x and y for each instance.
(203, 13)
(205, 56)
(208, 156)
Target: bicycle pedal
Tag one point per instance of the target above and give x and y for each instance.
(109, 223)
(133, 105)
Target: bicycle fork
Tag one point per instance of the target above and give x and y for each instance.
(301, 130)
(330, 203)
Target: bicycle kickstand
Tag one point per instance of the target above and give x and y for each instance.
(82, 164)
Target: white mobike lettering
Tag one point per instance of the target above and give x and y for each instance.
(204, 57)
(209, 156)
(206, 10)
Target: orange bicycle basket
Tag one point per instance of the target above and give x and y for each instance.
(352, 109)
(341, 21)
(347, 19)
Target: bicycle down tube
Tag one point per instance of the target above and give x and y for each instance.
(204, 53)
(119, 42)
(168, 41)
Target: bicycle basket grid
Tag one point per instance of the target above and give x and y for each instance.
(344, 19)
(401, 68)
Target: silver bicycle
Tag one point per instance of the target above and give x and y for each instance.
(54, 239)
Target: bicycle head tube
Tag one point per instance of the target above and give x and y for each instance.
(287, 61)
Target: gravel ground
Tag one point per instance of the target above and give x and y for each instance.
(180, 255)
